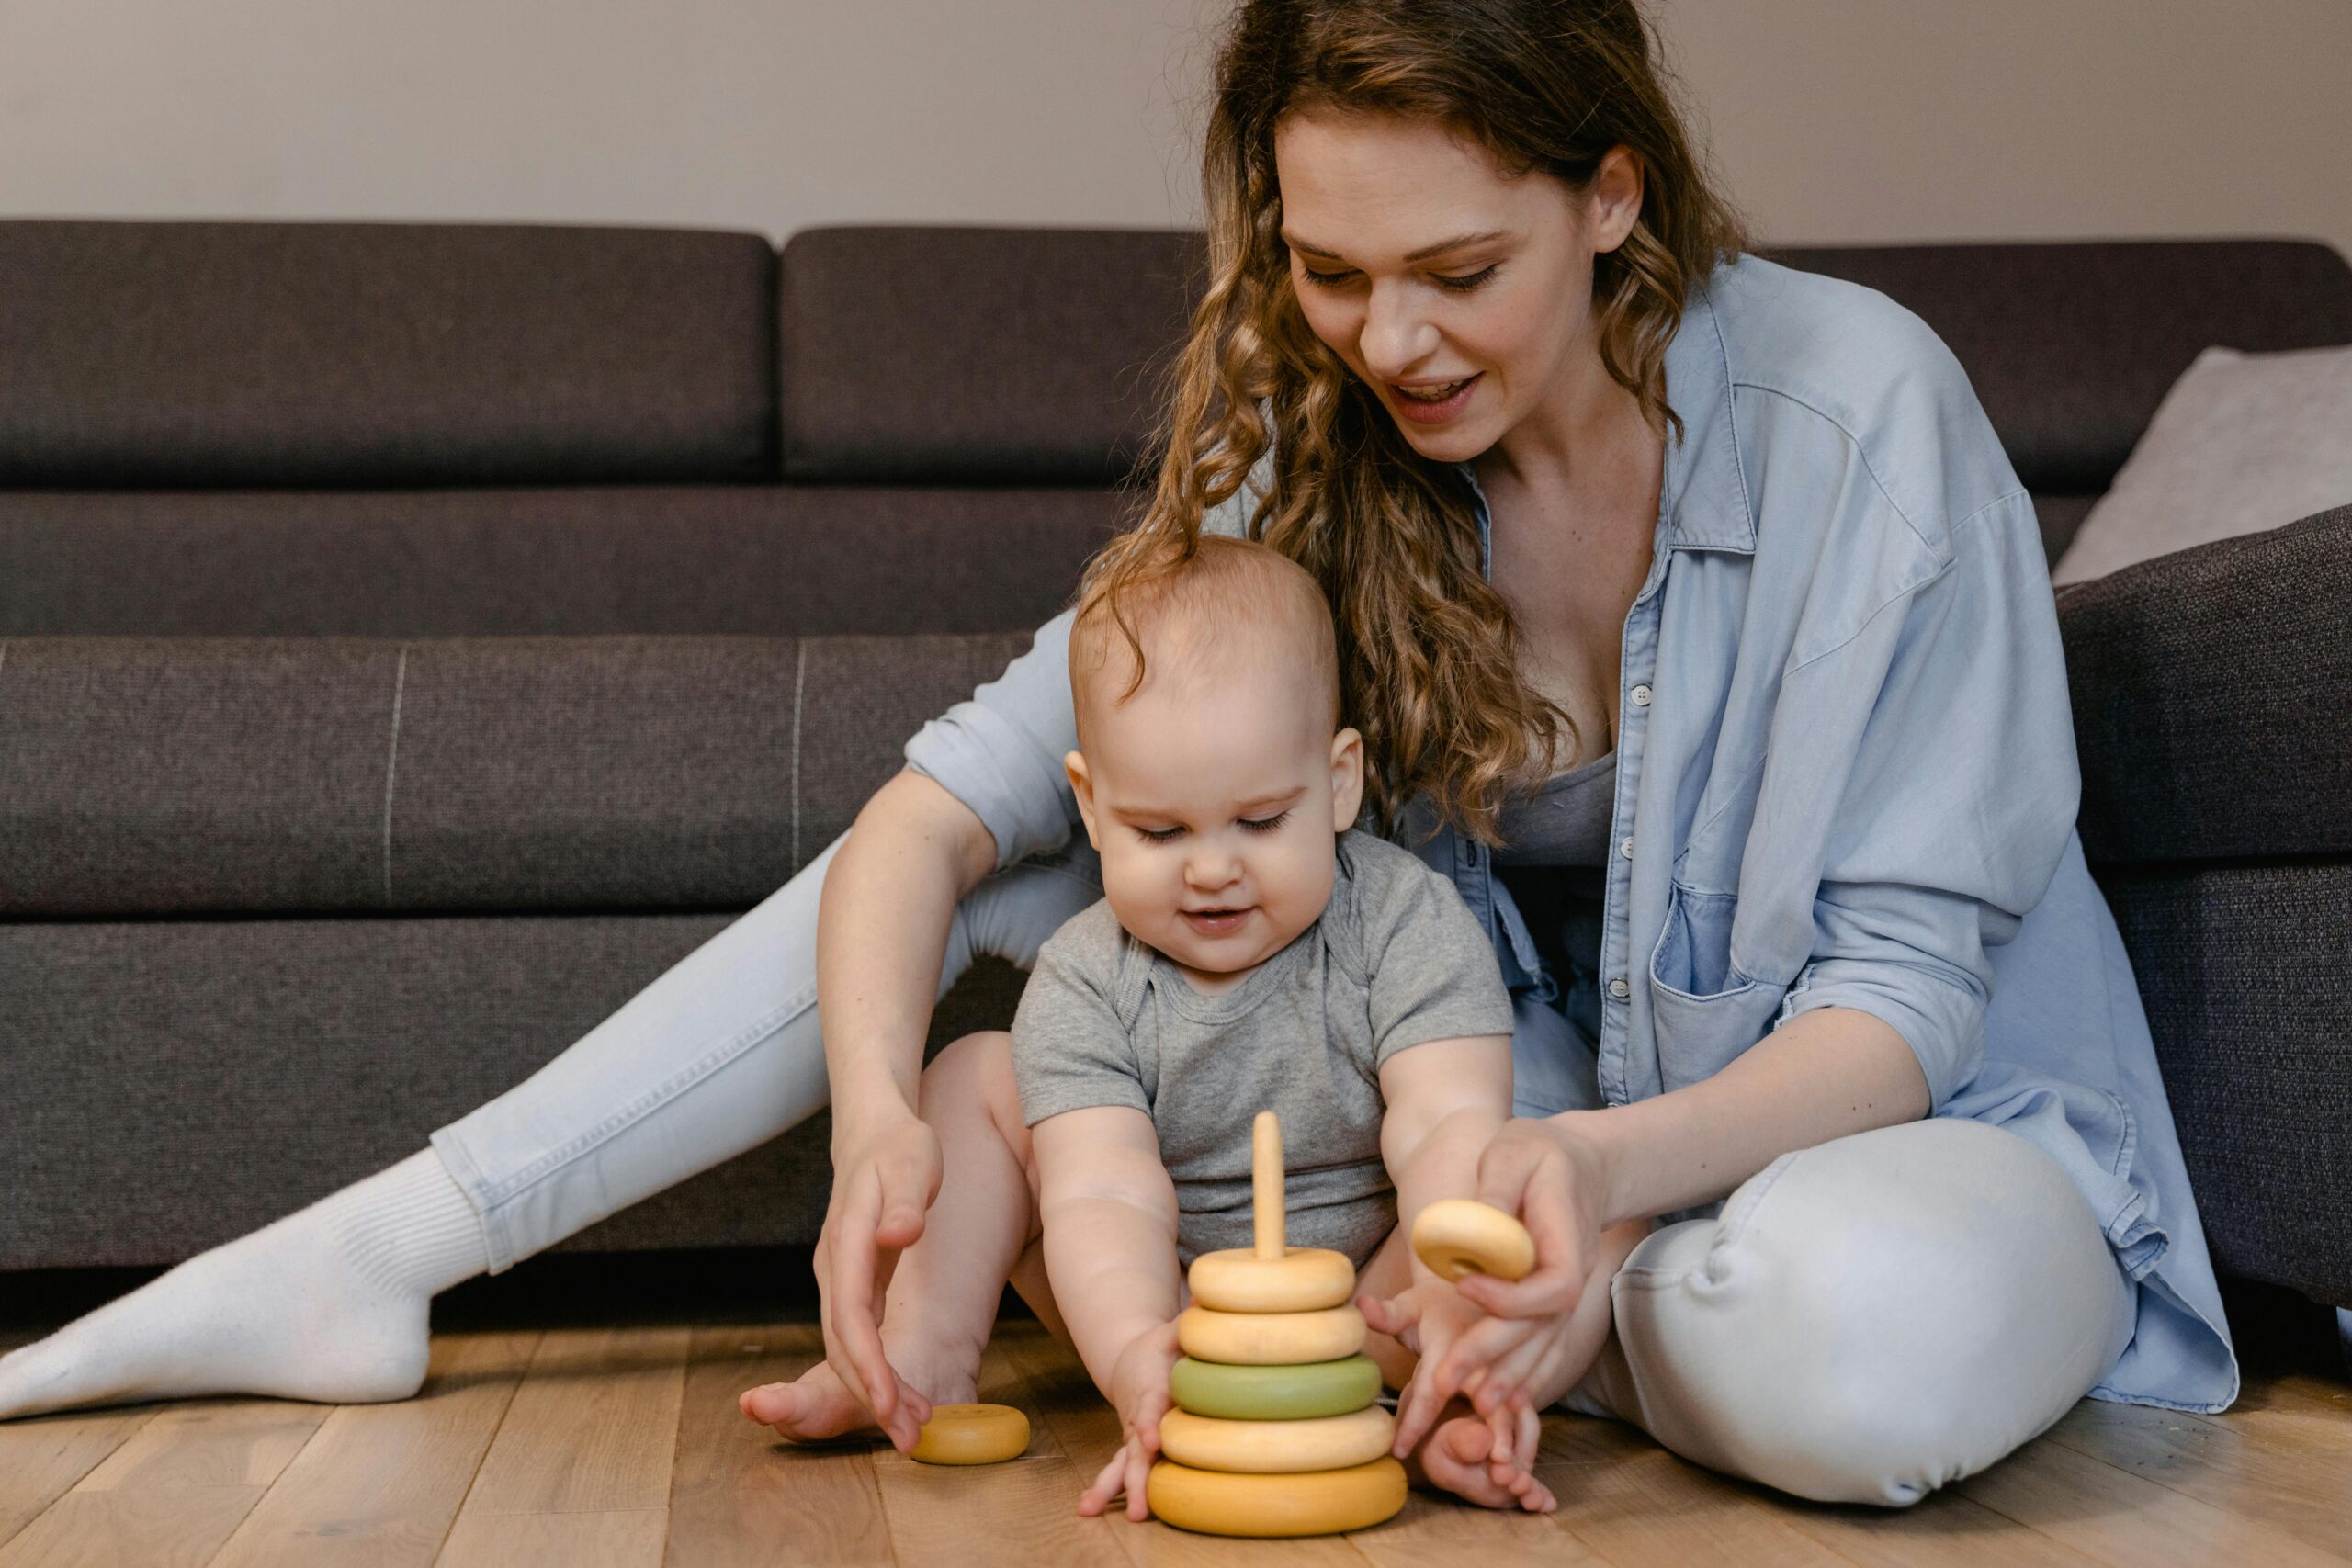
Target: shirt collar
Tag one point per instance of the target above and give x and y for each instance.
(1703, 495)
(1705, 489)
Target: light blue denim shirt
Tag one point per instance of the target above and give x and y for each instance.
(1846, 777)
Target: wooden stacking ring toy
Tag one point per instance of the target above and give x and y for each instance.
(1320, 1502)
(1265, 1447)
(1269, 1338)
(1270, 1276)
(971, 1434)
(1274, 1393)
(1457, 1236)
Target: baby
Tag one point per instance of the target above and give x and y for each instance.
(1253, 951)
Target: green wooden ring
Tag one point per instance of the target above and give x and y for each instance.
(1294, 1393)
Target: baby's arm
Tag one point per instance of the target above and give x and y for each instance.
(1445, 1101)
(1109, 1213)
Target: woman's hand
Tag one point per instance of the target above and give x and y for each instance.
(1139, 1389)
(884, 1180)
(1555, 1180)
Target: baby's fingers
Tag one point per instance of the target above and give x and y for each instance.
(1107, 1486)
(1138, 1483)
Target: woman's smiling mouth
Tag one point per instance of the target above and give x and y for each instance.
(1433, 402)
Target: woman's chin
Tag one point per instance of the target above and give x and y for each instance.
(1455, 441)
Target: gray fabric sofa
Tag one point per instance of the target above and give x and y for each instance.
(413, 638)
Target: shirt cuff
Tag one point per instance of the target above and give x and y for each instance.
(1942, 1023)
(977, 756)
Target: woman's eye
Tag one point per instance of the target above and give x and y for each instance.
(1264, 824)
(1325, 279)
(1464, 282)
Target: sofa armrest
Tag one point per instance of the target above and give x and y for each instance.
(2210, 690)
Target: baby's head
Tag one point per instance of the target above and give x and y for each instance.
(1213, 777)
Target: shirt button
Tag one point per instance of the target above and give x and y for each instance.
(1641, 696)
(1625, 847)
(1619, 989)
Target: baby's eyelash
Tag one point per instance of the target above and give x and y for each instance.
(1252, 824)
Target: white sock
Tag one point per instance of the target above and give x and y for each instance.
(329, 1303)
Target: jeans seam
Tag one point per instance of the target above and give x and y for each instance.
(636, 1110)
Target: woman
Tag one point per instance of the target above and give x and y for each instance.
(1704, 585)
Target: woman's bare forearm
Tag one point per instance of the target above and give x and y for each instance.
(882, 922)
(1823, 1075)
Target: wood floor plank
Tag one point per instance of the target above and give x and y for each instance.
(2127, 1521)
(1031, 1502)
(1086, 1430)
(1639, 1506)
(1945, 1530)
(742, 1496)
(42, 1457)
(1437, 1532)
(593, 1430)
(173, 1492)
(379, 1484)
(2298, 1412)
(2245, 1467)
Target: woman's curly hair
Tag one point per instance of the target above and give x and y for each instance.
(1428, 650)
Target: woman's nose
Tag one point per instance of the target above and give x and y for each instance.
(1396, 336)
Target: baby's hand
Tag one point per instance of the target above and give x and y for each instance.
(1140, 1390)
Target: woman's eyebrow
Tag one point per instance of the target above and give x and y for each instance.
(1459, 242)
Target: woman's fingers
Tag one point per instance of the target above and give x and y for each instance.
(852, 1300)
(1523, 1172)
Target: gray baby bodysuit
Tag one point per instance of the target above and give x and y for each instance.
(1396, 960)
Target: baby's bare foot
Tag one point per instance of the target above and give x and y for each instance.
(816, 1406)
(1461, 1456)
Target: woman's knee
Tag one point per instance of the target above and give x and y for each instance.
(1012, 911)
(1868, 1319)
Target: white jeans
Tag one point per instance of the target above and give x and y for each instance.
(1863, 1321)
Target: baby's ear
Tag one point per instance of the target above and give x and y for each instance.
(1081, 785)
(1347, 780)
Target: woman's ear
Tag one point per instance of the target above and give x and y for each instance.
(1614, 201)
(1347, 780)
(1081, 785)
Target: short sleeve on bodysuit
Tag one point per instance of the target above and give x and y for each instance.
(1071, 1052)
(1430, 971)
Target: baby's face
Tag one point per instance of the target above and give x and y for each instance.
(1214, 809)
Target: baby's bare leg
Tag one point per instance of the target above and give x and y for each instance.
(942, 1297)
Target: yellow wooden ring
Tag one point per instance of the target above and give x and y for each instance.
(1315, 1502)
(1267, 1447)
(971, 1434)
(1303, 1279)
(1457, 1236)
(1269, 1338)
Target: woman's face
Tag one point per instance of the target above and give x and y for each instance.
(1460, 295)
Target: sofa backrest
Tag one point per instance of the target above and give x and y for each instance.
(438, 430)
(269, 355)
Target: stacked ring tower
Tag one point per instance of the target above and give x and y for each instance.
(1277, 1429)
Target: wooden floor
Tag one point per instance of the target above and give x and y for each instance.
(591, 1446)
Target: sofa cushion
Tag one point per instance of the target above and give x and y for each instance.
(281, 1059)
(2241, 970)
(2208, 694)
(185, 776)
(956, 356)
(2071, 347)
(766, 561)
(350, 354)
(2244, 442)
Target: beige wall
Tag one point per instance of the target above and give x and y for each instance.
(1831, 120)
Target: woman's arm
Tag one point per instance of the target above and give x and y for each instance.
(1821, 1076)
(882, 922)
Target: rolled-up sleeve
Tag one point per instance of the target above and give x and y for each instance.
(1958, 799)
(999, 751)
